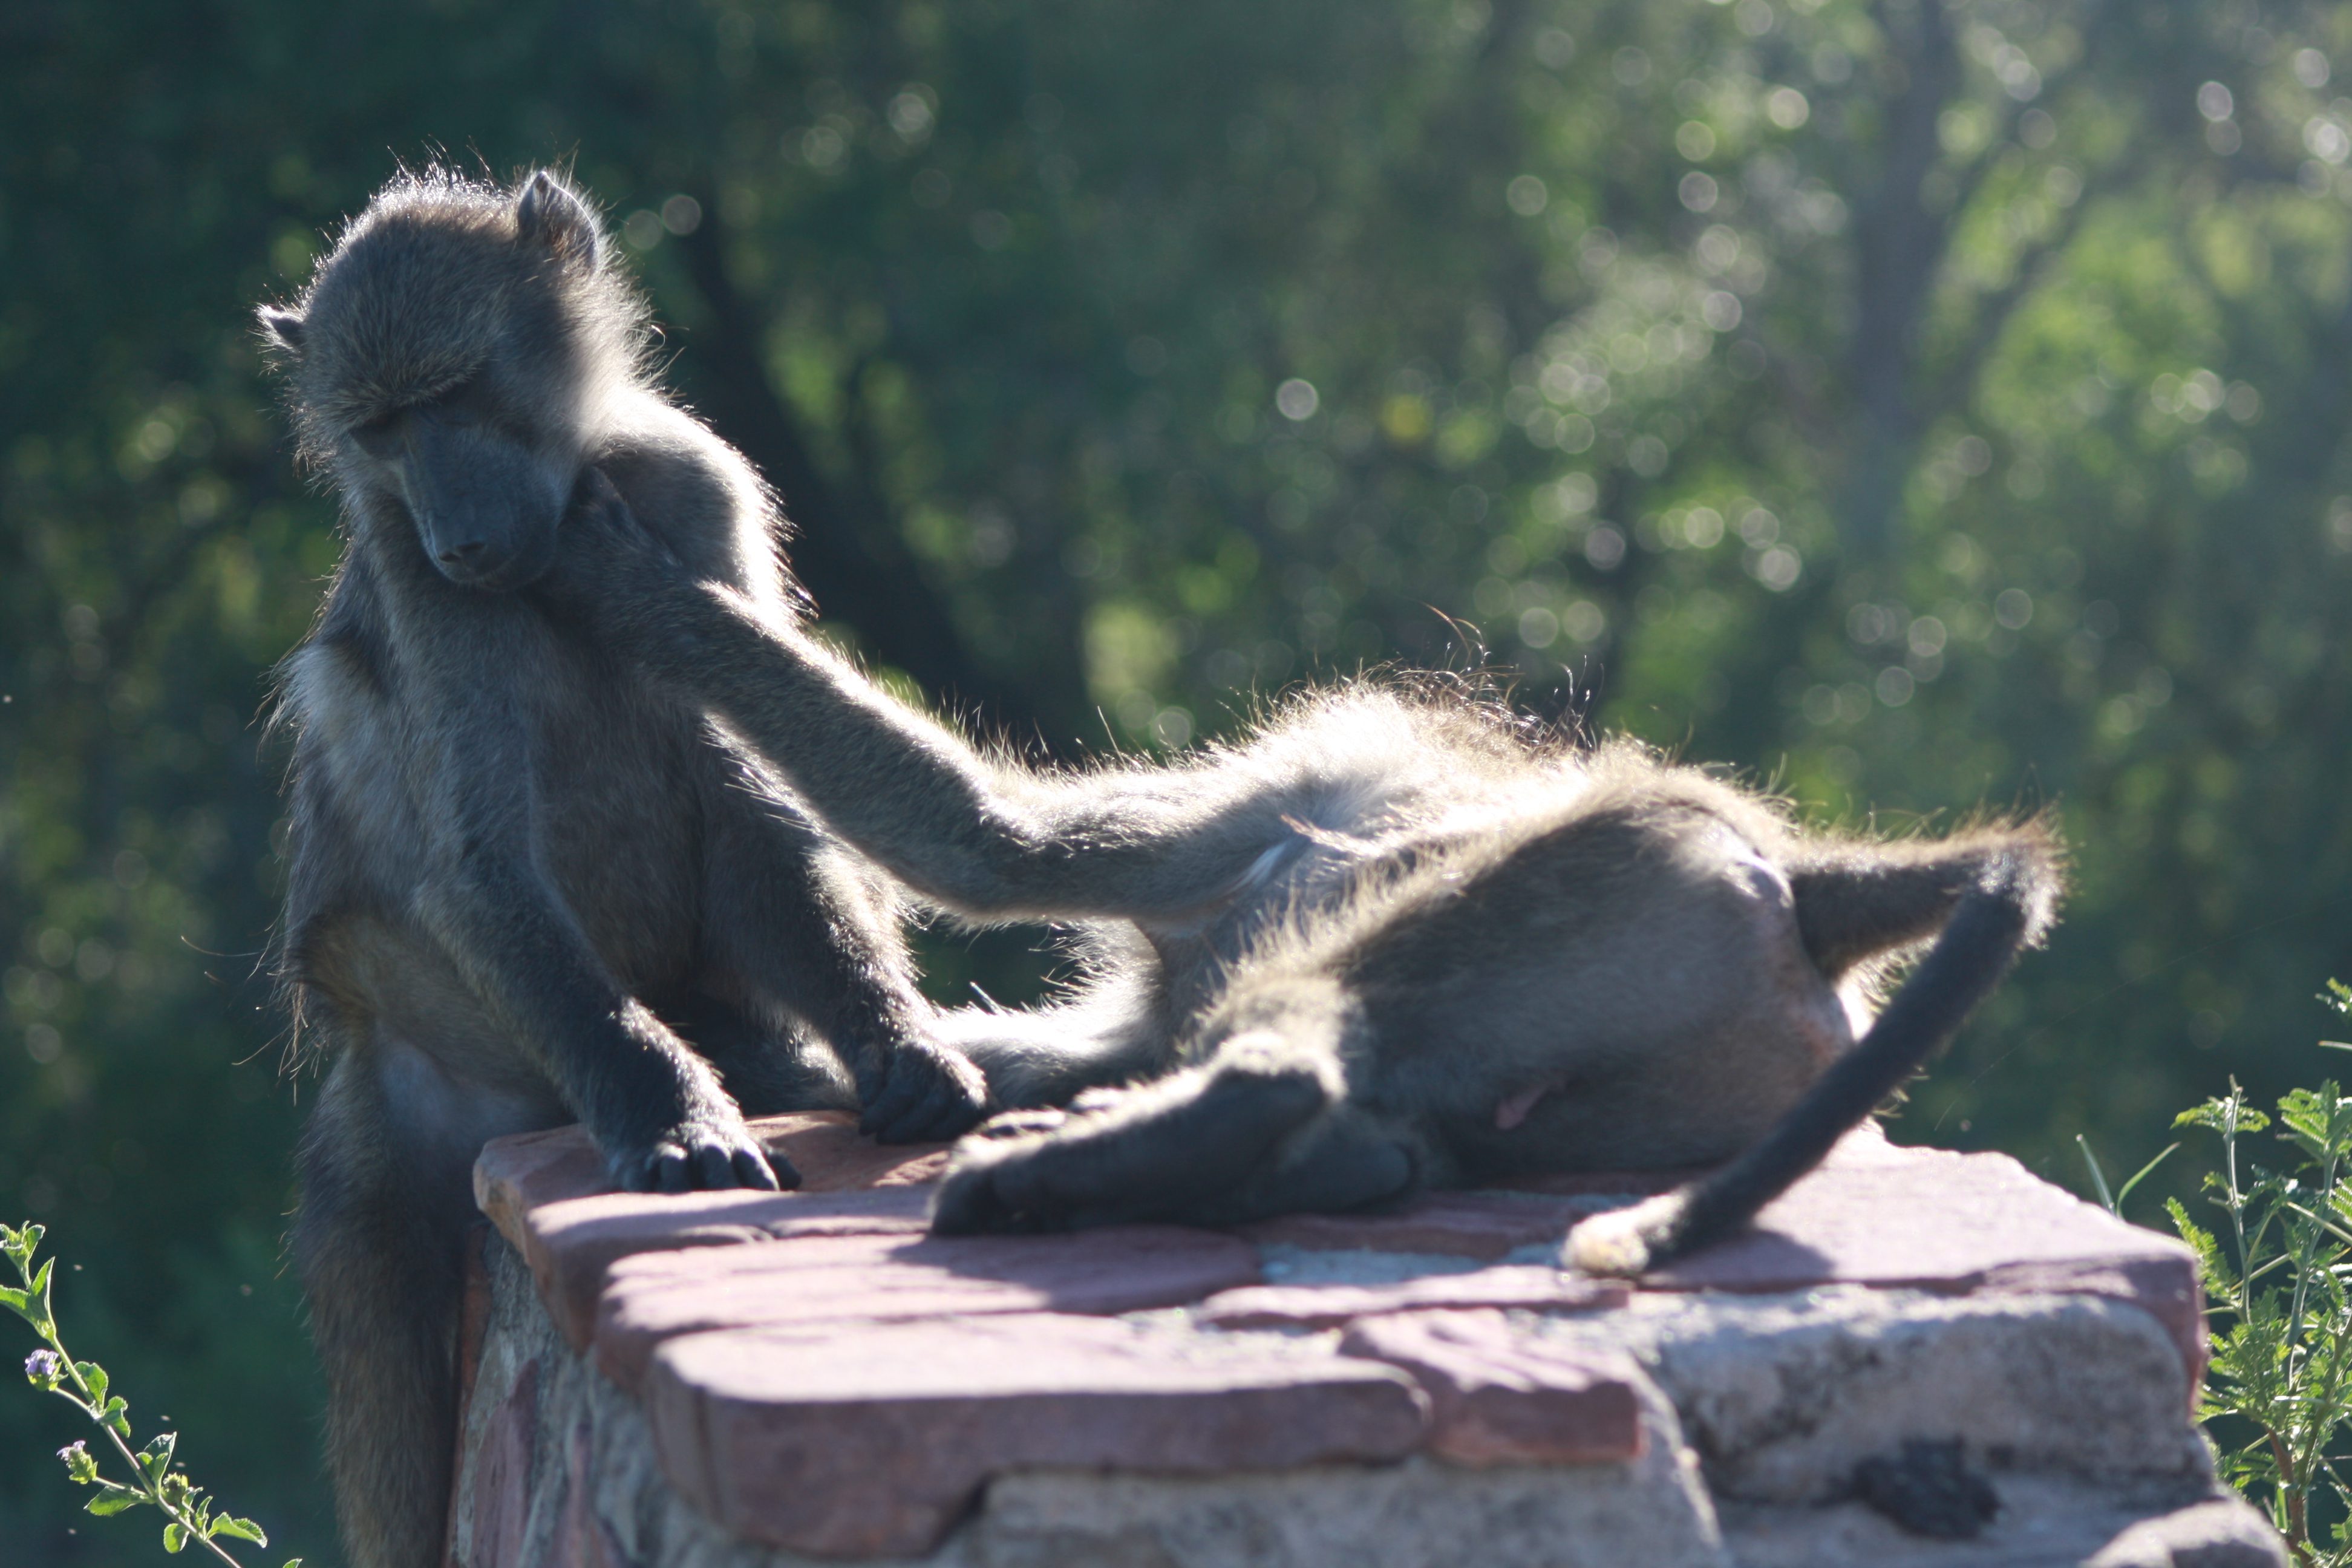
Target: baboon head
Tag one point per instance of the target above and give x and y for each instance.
(454, 356)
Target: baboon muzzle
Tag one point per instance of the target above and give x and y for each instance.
(486, 507)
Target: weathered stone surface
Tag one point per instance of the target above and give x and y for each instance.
(886, 1435)
(1418, 1514)
(1952, 1222)
(549, 1195)
(1500, 1396)
(1782, 1395)
(1533, 1287)
(878, 1278)
(2044, 1522)
(495, 1535)
(597, 1497)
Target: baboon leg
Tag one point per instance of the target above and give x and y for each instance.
(792, 927)
(2000, 897)
(378, 1241)
(1110, 1029)
(767, 1065)
(1173, 1150)
(1352, 1162)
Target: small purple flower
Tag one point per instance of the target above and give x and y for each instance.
(79, 1465)
(42, 1366)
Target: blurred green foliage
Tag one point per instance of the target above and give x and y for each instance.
(1927, 407)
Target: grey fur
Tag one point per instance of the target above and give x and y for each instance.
(1392, 939)
(521, 878)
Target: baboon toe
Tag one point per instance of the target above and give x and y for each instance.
(970, 1202)
(704, 1159)
(929, 1094)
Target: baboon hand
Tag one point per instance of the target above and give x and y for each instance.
(704, 1154)
(923, 1093)
(607, 557)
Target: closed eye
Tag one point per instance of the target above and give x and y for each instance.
(379, 436)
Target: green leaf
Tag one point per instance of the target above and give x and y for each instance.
(242, 1529)
(2126, 1190)
(176, 1535)
(16, 1301)
(2098, 1177)
(2216, 1115)
(116, 1414)
(155, 1459)
(39, 1316)
(95, 1375)
(114, 1502)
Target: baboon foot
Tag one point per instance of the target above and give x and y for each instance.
(928, 1093)
(701, 1154)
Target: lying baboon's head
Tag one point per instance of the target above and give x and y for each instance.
(454, 355)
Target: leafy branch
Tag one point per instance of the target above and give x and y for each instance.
(157, 1481)
(2277, 1271)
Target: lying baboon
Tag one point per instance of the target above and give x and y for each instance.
(1395, 939)
(521, 880)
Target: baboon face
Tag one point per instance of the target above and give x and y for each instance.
(484, 496)
(448, 361)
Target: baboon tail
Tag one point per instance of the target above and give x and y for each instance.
(1996, 898)
(379, 1239)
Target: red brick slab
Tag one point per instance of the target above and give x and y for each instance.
(1956, 1222)
(1326, 1306)
(874, 1443)
(573, 1243)
(1484, 1225)
(550, 1196)
(1498, 1397)
(519, 1173)
(872, 1279)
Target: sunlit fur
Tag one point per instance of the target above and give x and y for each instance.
(1392, 938)
(525, 887)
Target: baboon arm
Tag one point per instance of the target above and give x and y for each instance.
(915, 797)
(483, 899)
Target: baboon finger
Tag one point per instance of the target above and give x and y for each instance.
(670, 1165)
(949, 1108)
(637, 1177)
(751, 1170)
(787, 1177)
(968, 1203)
(714, 1168)
(882, 1113)
(1017, 1123)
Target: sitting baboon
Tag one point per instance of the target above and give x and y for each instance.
(1395, 938)
(522, 880)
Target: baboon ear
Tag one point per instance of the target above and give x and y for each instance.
(548, 213)
(282, 329)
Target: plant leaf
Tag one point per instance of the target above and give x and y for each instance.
(155, 1459)
(114, 1502)
(2126, 1190)
(176, 1535)
(242, 1529)
(44, 1323)
(95, 1375)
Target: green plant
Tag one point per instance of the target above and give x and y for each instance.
(2278, 1394)
(158, 1482)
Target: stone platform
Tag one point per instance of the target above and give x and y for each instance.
(1908, 1340)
